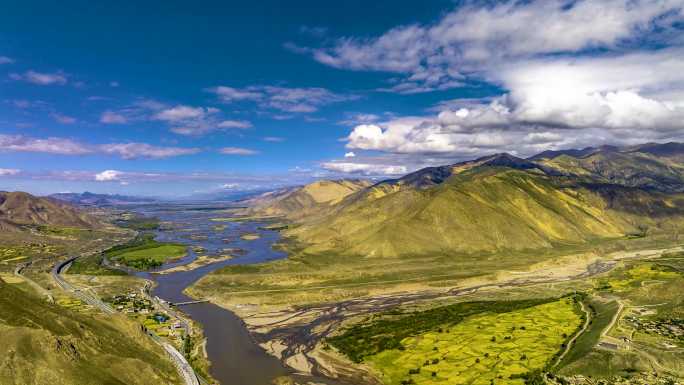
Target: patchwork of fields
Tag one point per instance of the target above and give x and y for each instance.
(466, 343)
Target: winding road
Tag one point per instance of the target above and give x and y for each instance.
(184, 369)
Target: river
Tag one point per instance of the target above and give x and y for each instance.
(235, 358)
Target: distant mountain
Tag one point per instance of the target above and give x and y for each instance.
(500, 202)
(92, 199)
(653, 166)
(222, 196)
(20, 208)
(297, 202)
(550, 154)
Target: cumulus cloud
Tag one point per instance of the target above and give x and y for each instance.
(9, 171)
(349, 154)
(108, 176)
(144, 150)
(476, 35)
(571, 73)
(285, 99)
(111, 117)
(237, 151)
(367, 169)
(41, 78)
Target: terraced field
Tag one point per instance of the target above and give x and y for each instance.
(483, 348)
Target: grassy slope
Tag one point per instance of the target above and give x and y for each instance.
(480, 221)
(310, 199)
(47, 344)
(485, 209)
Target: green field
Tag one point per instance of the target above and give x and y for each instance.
(601, 315)
(467, 343)
(145, 253)
(62, 231)
(92, 265)
(136, 222)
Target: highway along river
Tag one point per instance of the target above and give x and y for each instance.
(235, 358)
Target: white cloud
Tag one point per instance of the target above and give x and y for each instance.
(477, 35)
(273, 139)
(144, 150)
(111, 117)
(64, 146)
(237, 151)
(359, 118)
(63, 119)
(191, 121)
(196, 121)
(6, 60)
(364, 168)
(50, 145)
(572, 73)
(230, 94)
(108, 176)
(9, 171)
(286, 99)
(114, 84)
(235, 124)
(41, 78)
(349, 154)
(182, 113)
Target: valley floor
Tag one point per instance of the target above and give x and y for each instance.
(300, 333)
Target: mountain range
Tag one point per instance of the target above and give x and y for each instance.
(493, 203)
(93, 199)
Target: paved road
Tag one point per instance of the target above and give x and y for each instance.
(83, 296)
(184, 369)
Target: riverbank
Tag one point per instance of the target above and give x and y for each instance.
(295, 332)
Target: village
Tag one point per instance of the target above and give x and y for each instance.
(150, 316)
(668, 328)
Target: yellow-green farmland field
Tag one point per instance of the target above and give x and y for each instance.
(482, 348)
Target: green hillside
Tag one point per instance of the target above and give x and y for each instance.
(440, 225)
(48, 344)
(481, 209)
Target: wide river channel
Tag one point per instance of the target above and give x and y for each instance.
(235, 358)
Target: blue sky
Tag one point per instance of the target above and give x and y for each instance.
(175, 98)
